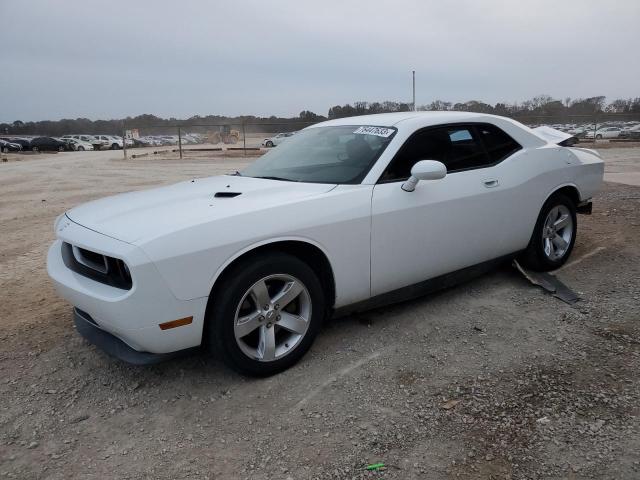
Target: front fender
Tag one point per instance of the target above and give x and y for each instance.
(338, 223)
(263, 243)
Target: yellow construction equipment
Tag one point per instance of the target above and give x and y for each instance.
(225, 135)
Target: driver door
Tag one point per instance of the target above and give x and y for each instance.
(443, 225)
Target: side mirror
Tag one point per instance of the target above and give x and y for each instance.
(424, 170)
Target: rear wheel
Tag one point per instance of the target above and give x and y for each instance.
(81, 148)
(5, 150)
(269, 144)
(553, 236)
(114, 146)
(35, 149)
(61, 149)
(266, 315)
(598, 137)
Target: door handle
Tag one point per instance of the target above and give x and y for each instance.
(491, 183)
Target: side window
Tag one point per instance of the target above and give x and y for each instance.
(499, 145)
(466, 151)
(456, 146)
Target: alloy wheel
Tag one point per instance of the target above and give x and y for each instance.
(557, 232)
(272, 317)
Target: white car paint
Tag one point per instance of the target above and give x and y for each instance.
(606, 132)
(92, 139)
(80, 144)
(553, 135)
(277, 139)
(177, 240)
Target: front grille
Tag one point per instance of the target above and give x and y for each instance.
(101, 268)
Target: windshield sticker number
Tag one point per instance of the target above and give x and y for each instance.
(377, 131)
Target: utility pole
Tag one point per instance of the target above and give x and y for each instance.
(124, 139)
(244, 138)
(414, 89)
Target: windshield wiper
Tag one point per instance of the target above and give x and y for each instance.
(278, 178)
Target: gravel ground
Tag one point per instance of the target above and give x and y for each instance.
(491, 379)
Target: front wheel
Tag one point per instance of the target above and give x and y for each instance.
(81, 148)
(266, 314)
(553, 236)
(598, 137)
(269, 144)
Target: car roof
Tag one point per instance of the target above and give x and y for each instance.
(415, 120)
(393, 119)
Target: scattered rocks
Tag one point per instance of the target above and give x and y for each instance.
(487, 380)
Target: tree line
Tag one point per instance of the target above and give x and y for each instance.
(540, 109)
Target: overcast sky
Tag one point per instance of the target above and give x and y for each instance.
(110, 59)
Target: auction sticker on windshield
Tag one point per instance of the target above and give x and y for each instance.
(377, 131)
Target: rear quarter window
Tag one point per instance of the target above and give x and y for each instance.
(497, 143)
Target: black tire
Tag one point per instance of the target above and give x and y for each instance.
(5, 150)
(269, 144)
(598, 137)
(61, 149)
(35, 149)
(224, 302)
(114, 146)
(534, 257)
(81, 148)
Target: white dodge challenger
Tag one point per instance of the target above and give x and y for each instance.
(346, 215)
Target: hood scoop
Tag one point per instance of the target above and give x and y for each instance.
(227, 194)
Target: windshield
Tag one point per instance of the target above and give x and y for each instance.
(324, 155)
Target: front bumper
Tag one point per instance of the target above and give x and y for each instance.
(115, 347)
(133, 316)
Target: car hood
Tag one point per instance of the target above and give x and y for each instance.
(138, 216)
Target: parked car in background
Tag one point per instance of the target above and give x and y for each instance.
(578, 132)
(110, 141)
(96, 142)
(168, 139)
(370, 210)
(604, 132)
(631, 132)
(47, 144)
(129, 141)
(141, 142)
(79, 145)
(192, 138)
(277, 139)
(146, 141)
(68, 145)
(25, 143)
(6, 146)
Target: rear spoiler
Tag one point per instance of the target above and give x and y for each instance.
(555, 136)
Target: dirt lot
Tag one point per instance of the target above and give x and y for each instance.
(491, 379)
